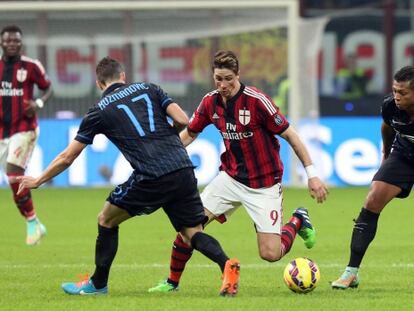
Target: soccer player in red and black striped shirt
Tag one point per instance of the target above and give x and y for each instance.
(251, 169)
(18, 121)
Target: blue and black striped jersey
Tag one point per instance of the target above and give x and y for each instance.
(133, 117)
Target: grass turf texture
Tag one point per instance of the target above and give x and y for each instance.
(30, 277)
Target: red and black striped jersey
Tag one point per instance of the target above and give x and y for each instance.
(17, 80)
(248, 124)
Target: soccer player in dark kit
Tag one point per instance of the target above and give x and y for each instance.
(18, 122)
(251, 169)
(134, 117)
(394, 178)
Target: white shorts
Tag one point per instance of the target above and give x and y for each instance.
(223, 195)
(18, 149)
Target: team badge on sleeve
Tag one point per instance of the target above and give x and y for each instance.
(21, 75)
(244, 116)
(278, 120)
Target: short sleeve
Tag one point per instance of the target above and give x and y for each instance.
(272, 117)
(40, 77)
(200, 118)
(163, 97)
(90, 126)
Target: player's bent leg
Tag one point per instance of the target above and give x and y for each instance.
(112, 215)
(269, 246)
(211, 248)
(105, 250)
(181, 253)
(107, 242)
(380, 194)
(348, 279)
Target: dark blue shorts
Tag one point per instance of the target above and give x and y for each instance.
(398, 171)
(175, 192)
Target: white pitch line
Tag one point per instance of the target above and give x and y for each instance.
(6, 266)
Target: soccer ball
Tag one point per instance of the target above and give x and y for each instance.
(301, 275)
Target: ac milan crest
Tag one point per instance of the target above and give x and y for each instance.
(244, 116)
(21, 75)
(278, 120)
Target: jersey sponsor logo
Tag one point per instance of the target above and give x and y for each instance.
(236, 136)
(244, 116)
(231, 133)
(21, 75)
(11, 92)
(7, 90)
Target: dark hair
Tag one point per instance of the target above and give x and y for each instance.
(108, 69)
(11, 28)
(405, 74)
(226, 59)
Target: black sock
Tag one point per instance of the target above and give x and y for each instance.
(364, 232)
(105, 251)
(209, 247)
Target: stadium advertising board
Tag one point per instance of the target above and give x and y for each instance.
(364, 36)
(347, 151)
(176, 64)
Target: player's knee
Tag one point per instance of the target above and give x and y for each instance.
(270, 255)
(103, 221)
(373, 203)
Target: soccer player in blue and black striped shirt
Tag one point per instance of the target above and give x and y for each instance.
(134, 117)
(394, 178)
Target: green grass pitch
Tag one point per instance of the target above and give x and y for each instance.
(30, 277)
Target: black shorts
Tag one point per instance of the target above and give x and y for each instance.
(175, 192)
(398, 171)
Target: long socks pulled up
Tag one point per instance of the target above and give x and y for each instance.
(289, 231)
(209, 247)
(180, 255)
(363, 233)
(287, 238)
(105, 251)
(23, 200)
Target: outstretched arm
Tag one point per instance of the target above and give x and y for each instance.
(317, 189)
(58, 165)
